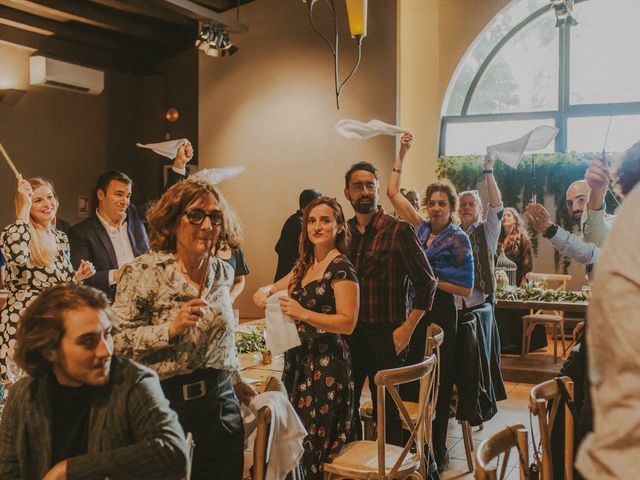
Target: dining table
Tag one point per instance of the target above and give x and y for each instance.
(576, 307)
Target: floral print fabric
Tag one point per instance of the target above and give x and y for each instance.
(317, 374)
(150, 294)
(25, 280)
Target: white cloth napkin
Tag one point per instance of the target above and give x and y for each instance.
(217, 175)
(281, 332)
(167, 149)
(356, 130)
(511, 152)
(284, 445)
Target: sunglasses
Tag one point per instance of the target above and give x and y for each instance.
(196, 217)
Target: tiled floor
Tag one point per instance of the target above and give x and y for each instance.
(511, 411)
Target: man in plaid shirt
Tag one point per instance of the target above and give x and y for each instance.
(387, 256)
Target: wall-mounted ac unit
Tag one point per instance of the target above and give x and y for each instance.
(48, 72)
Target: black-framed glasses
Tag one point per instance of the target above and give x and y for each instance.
(197, 216)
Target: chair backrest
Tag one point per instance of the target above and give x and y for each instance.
(544, 401)
(388, 380)
(261, 445)
(435, 337)
(554, 281)
(493, 453)
(191, 445)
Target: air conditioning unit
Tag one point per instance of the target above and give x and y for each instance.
(48, 72)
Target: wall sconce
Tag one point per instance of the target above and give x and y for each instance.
(357, 17)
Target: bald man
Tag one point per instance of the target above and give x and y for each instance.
(573, 246)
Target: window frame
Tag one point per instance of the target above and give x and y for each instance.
(565, 109)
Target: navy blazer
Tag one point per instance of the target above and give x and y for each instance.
(90, 241)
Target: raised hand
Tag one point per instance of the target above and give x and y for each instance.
(405, 144)
(538, 217)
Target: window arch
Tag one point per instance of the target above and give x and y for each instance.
(522, 71)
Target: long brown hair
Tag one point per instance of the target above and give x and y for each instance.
(305, 247)
(41, 253)
(164, 215)
(518, 228)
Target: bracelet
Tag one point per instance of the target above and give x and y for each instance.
(398, 170)
(487, 171)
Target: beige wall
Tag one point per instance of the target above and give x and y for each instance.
(51, 133)
(271, 108)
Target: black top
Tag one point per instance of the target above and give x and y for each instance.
(70, 408)
(287, 246)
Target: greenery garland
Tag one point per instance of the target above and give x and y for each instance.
(553, 173)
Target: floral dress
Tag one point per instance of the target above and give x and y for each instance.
(317, 374)
(25, 280)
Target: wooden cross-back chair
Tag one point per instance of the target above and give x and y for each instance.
(260, 448)
(493, 453)
(552, 318)
(544, 401)
(367, 459)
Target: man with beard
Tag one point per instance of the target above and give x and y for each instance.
(82, 412)
(386, 255)
(573, 246)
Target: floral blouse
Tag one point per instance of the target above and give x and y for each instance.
(149, 296)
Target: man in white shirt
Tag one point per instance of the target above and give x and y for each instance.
(114, 236)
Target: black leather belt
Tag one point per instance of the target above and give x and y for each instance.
(194, 385)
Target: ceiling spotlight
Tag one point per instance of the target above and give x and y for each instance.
(214, 40)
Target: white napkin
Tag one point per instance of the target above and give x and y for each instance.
(284, 445)
(281, 332)
(217, 175)
(167, 149)
(511, 152)
(356, 130)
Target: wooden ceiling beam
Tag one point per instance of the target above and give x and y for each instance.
(75, 53)
(101, 17)
(147, 8)
(201, 13)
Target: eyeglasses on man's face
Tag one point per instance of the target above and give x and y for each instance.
(197, 216)
(361, 187)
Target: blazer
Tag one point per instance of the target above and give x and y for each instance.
(90, 241)
(132, 431)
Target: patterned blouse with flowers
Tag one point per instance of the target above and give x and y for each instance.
(150, 294)
(317, 374)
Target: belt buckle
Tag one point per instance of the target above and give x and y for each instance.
(195, 390)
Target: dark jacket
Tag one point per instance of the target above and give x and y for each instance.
(132, 431)
(90, 241)
(287, 246)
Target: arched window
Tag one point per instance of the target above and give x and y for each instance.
(522, 71)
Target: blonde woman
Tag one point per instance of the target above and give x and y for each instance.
(36, 254)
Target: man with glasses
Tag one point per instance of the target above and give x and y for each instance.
(386, 255)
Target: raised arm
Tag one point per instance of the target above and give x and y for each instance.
(401, 205)
(495, 199)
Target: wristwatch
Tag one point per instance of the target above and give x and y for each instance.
(551, 231)
(485, 171)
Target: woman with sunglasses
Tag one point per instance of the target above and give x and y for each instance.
(448, 250)
(324, 301)
(173, 313)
